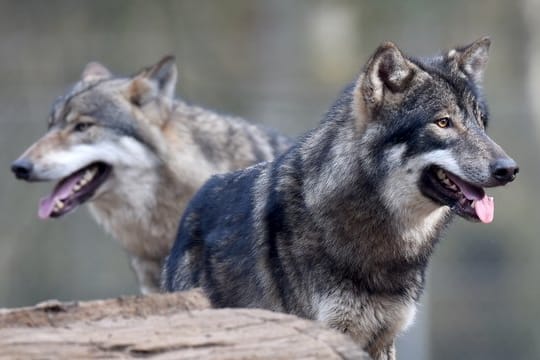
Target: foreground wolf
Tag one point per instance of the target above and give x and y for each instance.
(341, 227)
(136, 156)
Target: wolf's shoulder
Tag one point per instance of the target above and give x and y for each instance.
(226, 190)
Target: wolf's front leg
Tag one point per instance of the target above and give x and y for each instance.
(148, 274)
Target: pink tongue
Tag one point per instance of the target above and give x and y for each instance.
(484, 209)
(483, 204)
(60, 192)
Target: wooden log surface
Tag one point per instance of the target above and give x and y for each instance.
(164, 326)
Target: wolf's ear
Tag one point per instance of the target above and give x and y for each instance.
(156, 80)
(95, 71)
(387, 70)
(472, 59)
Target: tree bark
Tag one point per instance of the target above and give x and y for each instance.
(164, 326)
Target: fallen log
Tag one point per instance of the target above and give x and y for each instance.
(164, 326)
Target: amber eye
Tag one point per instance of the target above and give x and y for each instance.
(82, 126)
(443, 122)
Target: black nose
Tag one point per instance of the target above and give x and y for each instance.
(504, 170)
(22, 169)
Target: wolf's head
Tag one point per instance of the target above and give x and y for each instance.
(102, 130)
(426, 119)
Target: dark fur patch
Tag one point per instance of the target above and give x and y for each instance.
(314, 227)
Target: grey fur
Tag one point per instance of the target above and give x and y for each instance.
(341, 227)
(161, 151)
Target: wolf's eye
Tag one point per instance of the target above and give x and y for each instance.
(443, 122)
(82, 126)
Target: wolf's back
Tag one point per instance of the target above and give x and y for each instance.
(222, 210)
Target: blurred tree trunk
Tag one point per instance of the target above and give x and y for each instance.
(531, 9)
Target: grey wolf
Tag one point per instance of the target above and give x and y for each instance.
(136, 155)
(341, 227)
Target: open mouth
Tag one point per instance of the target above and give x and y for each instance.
(73, 190)
(465, 199)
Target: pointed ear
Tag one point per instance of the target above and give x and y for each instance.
(95, 71)
(472, 59)
(158, 80)
(387, 70)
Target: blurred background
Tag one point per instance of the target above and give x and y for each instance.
(281, 63)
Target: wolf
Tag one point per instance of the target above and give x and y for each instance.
(341, 227)
(136, 155)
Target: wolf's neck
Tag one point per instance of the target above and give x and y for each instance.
(141, 210)
(344, 194)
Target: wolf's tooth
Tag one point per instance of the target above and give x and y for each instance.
(90, 173)
(441, 174)
(473, 204)
(77, 187)
(58, 204)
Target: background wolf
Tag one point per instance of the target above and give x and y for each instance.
(137, 155)
(341, 227)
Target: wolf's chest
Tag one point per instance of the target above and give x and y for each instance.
(137, 233)
(366, 318)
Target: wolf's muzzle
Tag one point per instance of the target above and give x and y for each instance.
(22, 169)
(504, 170)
